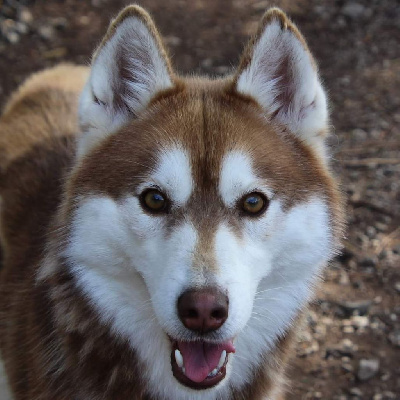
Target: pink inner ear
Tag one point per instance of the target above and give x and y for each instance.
(285, 84)
(130, 68)
(281, 76)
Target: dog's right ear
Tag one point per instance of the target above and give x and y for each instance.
(129, 68)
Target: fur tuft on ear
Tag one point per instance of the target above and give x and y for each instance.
(279, 72)
(128, 69)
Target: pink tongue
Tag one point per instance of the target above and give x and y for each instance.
(200, 358)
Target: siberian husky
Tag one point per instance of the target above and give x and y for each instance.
(162, 235)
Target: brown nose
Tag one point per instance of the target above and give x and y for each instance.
(203, 310)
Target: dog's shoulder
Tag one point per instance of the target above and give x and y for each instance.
(43, 107)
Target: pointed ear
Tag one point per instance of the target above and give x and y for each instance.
(279, 72)
(128, 69)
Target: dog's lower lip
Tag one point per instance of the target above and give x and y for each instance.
(209, 382)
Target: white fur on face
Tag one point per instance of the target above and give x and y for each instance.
(280, 63)
(173, 174)
(133, 268)
(238, 178)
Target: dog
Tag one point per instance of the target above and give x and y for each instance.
(163, 235)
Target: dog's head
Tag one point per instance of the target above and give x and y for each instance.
(202, 210)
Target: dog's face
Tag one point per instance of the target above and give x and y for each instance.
(201, 211)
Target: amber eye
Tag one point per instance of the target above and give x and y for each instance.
(254, 203)
(153, 200)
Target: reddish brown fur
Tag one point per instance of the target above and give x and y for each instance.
(52, 341)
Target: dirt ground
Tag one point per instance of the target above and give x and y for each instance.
(350, 347)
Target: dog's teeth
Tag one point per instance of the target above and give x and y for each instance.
(213, 373)
(179, 358)
(222, 359)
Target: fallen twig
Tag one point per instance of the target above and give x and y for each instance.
(371, 206)
(371, 146)
(370, 162)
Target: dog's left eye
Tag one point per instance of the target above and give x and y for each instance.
(153, 200)
(254, 203)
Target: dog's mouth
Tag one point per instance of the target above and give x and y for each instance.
(200, 365)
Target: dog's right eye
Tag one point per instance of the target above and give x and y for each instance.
(254, 204)
(154, 201)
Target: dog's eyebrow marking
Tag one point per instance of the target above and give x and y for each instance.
(237, 177)
(173, 174)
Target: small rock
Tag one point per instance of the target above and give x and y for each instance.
(348, 329)
(394, 338)
(384, 396)
(323, 12)
(56, 53)
(346, 348)
(172, 41)
(12, 37)
(368, 262)
(355, 392)
(313, 395)
(207, 63)
(222, 70)
(319, 331)
(22, 28)
(261, 5)
(383, 254)
(367, 369)
(380, 226)
(388, 395)
(353, 10)
(84, 20)
(347, 367)
(396, 249)
(397, 287)
(344, 278)
(25, 16)
(312, 318)
(385, 377)
(306, 349)
(371, 232)
(59, 23)
(350, 308)
(341, 21)
(46, 32)
(352, 264)
(305, 336)
(359, 134)
(327, 321)
(359, 321)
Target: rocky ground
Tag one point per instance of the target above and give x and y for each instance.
(350, 346)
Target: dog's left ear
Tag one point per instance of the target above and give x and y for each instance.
(129, 68)
(279, 72)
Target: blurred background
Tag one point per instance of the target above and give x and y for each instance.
(350, 346)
